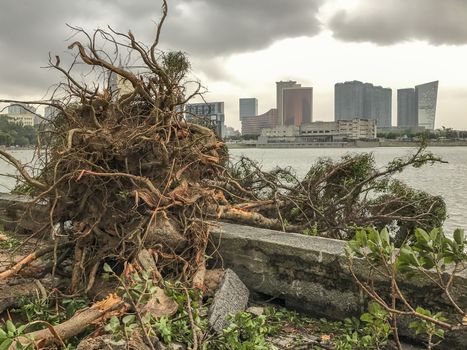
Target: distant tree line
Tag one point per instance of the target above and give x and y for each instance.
(443, 133)
(16, 134)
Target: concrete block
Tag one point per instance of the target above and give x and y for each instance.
(231, 298)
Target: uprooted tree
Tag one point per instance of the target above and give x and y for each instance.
(122, 170)
(125, 168)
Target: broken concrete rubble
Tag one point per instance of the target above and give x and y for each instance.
(230, 299)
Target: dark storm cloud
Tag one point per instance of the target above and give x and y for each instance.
(209, 27)
(391, 21)
(29, 29)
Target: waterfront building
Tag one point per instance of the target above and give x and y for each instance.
(229, 132)
(20, 108)
(406, 108)
(337, 131)
(248, 107)
(417, 107)
(253, 125)
(426, 96)
(297, 106)
(354, 99)
(23, 119)
(280, 86)
(21, 113)
(210, 114)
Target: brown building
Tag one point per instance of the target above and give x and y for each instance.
(253, 125)
(297, 106)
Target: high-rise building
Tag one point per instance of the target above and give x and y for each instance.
(354, 99)
(426, 96)
(417, 107)
(248, 107)
(406, 108)
(209, 114)
(297, 106)
(280, 86)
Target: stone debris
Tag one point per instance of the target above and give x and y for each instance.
(255, 310)
(294, 341)
(230, 299)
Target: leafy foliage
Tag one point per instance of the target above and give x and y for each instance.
(336, 196)
(16, 134)
(427, 254)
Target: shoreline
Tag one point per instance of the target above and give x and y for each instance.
(355, 144)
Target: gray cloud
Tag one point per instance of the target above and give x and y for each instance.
(208, 27)
(391, 21)
(29, 29)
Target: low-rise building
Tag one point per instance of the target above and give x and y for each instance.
(253, 125)
(21, 113)
(24, 119)
(337, 131)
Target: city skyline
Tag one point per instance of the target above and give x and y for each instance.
(316, 42)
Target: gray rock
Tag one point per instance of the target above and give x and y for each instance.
(231, 298)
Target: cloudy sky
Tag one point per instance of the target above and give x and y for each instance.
(239, 48)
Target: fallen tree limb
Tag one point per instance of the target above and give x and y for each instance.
(30, 258)
(240, 216)
(100, 311)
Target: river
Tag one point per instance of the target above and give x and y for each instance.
(447, 180)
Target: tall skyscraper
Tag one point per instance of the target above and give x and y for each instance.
(297, 106)
(354, 99)
(248, 107)
(280, 86)
(417, 107)
(406, 108)
(427, 95)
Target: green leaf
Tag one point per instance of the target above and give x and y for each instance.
(366, 317)
(107, 268)
(384, 236)
(422, 236)
(128, 319)
(5, 345)
(10, 326)
(459, 236)
(21, 329)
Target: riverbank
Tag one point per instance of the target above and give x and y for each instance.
(352, 144)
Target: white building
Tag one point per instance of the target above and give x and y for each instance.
(21, 114)
(24, 119)
(340, 130)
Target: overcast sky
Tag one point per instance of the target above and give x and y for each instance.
(239, 48)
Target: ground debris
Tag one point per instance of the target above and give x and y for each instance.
(231, 298)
